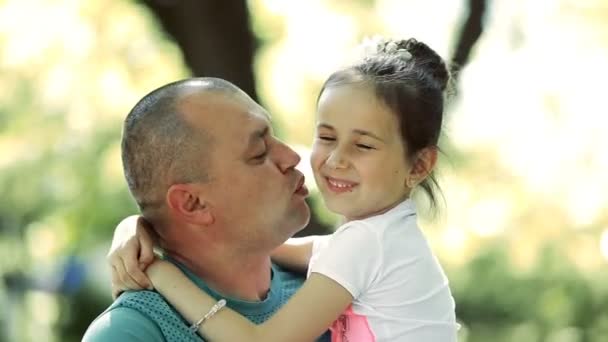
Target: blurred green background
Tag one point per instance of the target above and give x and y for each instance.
(523, 233)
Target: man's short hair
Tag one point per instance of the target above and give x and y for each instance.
(160, 148)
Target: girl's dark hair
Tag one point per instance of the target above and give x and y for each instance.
(411, 79)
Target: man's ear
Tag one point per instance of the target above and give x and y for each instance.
(187, 202)
(422, 165)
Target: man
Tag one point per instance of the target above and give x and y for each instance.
(221, 193)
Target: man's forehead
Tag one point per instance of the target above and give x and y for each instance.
(224, 116)
(220, 102)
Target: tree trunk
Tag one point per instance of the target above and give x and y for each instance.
(469, 34)
(215, 37)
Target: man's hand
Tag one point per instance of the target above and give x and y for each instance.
(130, 254)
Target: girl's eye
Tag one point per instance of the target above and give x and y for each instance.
(365, 147)
(326, 138)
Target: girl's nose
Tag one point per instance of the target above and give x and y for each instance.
(336, 160)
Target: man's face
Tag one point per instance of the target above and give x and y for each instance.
(256, 195)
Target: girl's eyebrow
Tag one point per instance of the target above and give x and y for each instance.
(358, 131)
(369, 134)
(324, 125)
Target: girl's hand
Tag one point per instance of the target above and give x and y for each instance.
(130, 254)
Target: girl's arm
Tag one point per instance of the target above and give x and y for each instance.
(295, 253)
(304, 317)
(131, 252)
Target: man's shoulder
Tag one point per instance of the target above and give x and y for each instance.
(288, 278)
(120, 323)
(286, 273)
(140, 316)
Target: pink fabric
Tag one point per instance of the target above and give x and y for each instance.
(351, 327)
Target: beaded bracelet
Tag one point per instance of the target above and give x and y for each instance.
(217, 307)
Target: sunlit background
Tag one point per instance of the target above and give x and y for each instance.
(523, 233)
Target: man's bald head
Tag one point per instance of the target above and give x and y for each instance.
(160, 147)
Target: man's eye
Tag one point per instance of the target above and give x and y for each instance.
(262, 155)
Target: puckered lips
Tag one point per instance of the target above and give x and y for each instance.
(300, 187)
(339, 186)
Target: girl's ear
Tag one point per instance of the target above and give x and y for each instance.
(422, 165)
(188, 202)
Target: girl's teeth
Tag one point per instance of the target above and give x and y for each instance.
(339, 185)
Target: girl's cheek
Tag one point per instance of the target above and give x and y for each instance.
(318, 158)
(315, 157)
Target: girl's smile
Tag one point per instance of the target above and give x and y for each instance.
(358, 156)
(340, 186)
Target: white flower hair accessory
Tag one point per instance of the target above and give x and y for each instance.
(377, 44)
(391, 47)
(372, 45)
(404, 54)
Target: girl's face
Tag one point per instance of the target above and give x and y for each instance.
(358, 157)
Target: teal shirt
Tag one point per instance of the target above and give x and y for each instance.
(146, 316)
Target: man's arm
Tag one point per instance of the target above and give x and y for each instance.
(123, 324)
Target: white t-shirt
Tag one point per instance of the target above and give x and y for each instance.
(400, 291)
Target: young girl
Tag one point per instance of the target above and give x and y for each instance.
(378, 123)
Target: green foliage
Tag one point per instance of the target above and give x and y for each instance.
(66, 88)
(496, 302)
(65, 91)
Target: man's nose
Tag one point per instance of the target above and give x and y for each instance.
(285, 157)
